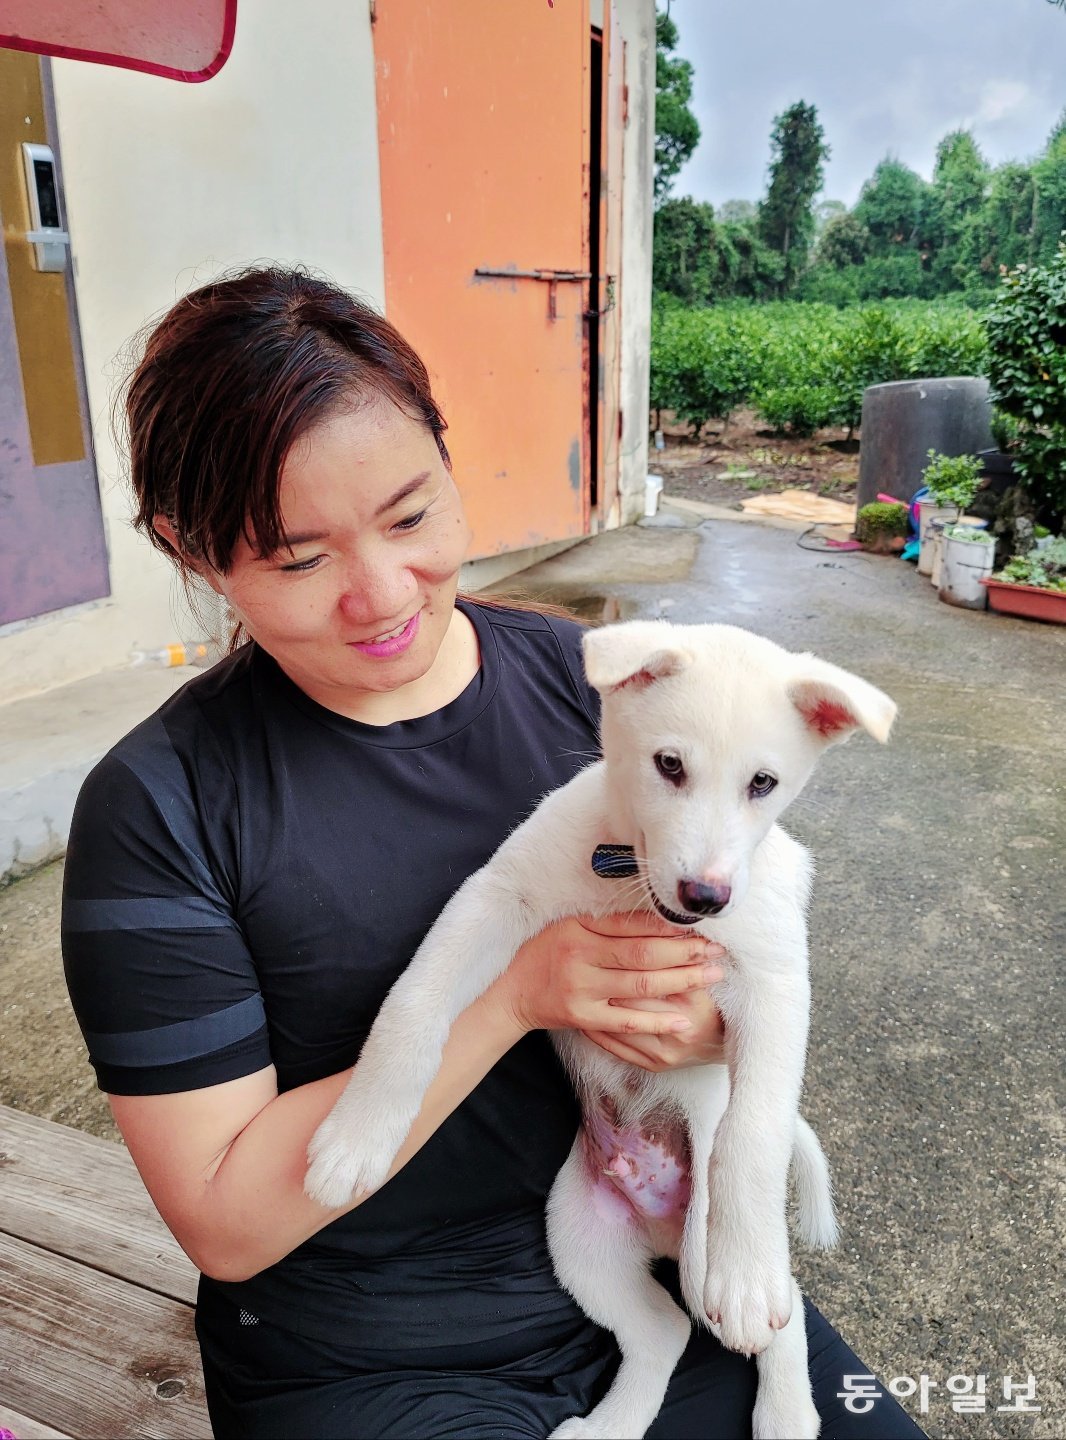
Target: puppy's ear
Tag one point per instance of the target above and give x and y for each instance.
(834, 703)
(635, 654)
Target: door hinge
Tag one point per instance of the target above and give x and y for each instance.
(620, 419)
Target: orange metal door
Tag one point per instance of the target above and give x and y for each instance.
(483, 117)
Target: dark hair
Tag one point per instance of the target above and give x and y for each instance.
(231, 378)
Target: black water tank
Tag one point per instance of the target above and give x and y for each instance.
(905, 419)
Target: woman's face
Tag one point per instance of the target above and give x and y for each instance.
(362, 599)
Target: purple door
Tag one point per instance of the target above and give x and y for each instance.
(52, 546)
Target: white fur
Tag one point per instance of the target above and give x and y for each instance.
(730, 705)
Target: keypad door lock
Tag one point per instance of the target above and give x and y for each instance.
(46, 234)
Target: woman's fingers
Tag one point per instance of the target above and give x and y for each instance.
(646, 925)
(590, 973)
(617, 1020)
(631, 924)
(652, 984)
(702, 1044)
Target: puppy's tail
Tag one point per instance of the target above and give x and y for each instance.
(814, 1190)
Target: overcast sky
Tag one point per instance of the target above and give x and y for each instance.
(887, 76)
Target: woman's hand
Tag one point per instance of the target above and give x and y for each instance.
(702, 1044)
(632, 981)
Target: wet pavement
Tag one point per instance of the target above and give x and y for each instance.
(938, 929)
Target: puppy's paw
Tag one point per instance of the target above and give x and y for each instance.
(346, 1165)
(784, 1417)
(591, 1429)
(747, 1294)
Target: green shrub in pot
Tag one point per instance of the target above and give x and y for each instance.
(953, 480)
(882, 527)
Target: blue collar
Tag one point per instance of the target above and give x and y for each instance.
(614, 862)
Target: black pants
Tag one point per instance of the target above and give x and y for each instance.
(266, 1383)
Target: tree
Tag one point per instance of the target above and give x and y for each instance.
(1007, 220)
(748, 269)
(797, 151)
(889, 206)
(844, 241)
(825, 211)
(685, 260)
(950, 223)
(1049, 198)
(701, 261)
(677, 131)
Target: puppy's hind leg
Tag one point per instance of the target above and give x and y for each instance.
(784, 1408)
(601, 1254)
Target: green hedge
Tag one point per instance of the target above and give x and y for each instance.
(802, 366)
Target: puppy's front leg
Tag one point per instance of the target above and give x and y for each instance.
(748, 1290)
(476, 938)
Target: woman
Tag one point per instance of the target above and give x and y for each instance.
(252, 867)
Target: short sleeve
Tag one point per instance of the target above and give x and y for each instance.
(160, 977)
(569, 634)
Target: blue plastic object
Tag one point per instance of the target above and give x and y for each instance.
(912, 513)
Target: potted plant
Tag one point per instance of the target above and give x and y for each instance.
(882, 528)
(967, 557)
(997, 464)
(952, 482)
(1032, 585)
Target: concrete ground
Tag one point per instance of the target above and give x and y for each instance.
(938, 929)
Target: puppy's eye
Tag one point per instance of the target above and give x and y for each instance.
(670, 767)
(761, 784)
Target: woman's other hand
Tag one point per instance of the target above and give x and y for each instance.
(702, 1044)
(635, 985)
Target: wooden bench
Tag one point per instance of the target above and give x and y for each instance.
(96, 1297)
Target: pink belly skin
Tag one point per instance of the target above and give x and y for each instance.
(639, 1172)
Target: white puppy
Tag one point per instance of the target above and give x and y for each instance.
(708, 733)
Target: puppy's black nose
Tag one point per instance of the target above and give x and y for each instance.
(701, 899)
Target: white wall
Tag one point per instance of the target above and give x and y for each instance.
(275, 158)
(637, 20)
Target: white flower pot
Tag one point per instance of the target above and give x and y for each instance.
(963, 565)
(928, 511)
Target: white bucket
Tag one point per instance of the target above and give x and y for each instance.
(963, 564)
(653, 488)
(935, 548)
(928, 511)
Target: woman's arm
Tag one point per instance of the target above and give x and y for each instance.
(225, 1164)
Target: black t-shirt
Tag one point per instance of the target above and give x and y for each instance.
(247, 875)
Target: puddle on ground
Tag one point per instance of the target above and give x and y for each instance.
(598, 609)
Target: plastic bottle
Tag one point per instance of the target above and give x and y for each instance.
(182, 652)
